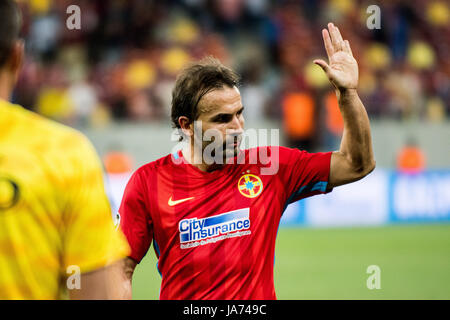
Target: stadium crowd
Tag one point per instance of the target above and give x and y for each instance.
(122, 63)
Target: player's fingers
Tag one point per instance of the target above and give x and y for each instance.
(348, 48)
(327, 42)
(338, 34)
(323, 65)
(334, 34)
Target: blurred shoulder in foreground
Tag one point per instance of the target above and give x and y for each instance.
(56, 231)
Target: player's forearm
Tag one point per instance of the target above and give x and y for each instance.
(127, 270)
(356, 144)
(120, 281)
(126, 292)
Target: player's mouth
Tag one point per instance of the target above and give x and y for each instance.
(233, 145)
(233, 142)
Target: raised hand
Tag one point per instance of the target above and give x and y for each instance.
(342, 70)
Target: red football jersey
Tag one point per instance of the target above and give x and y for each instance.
(214, 232)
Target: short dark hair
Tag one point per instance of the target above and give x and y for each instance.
(10, 25)
(194, 82)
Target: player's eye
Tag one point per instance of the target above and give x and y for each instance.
(222, 118)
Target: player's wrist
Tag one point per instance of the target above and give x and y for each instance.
(346, 93)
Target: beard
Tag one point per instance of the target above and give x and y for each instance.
(218, 151)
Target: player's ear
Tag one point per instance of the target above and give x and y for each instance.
(16, 57)
(186, 126)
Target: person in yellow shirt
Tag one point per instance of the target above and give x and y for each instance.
(57, 236)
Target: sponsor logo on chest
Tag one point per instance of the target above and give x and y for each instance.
(195, 232)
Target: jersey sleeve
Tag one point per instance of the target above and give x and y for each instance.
(303, 174)
(90, 240)
(135, 219)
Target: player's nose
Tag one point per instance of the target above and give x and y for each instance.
(237, 125)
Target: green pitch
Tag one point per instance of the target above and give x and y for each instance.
(414, 261)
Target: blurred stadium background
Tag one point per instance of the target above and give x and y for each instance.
(112, 80)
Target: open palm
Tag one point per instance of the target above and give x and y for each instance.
(342, 70)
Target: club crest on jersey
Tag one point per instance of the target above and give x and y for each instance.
(250, 185)
(195, 232)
